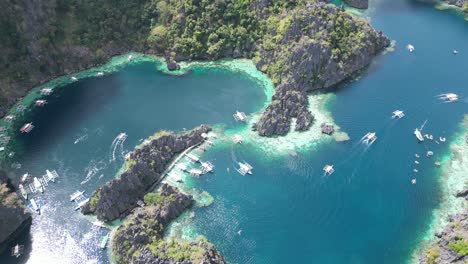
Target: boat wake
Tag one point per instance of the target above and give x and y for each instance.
(80, 139)
(92, 170)
(117, 146)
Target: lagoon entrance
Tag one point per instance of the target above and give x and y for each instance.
(367, 211)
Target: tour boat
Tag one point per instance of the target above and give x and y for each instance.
(413, 181)
(410, 48)
(104, 241)
(35, 206)
(27, 128)
(100, 74)
(73, 78)
(195, 172)
(455, 51)
(181, 166)
(442, 139)
(207, 167)
(240, 116)
(81, 203)
(130, 57)
(417, 155)
(40, 102)
(17, 251)
(369, 138)
(46, 91)
(418, 135)
(415, 170)
(448, 97)
(244, 168)
(328, 169)
(238, 139)
(76, 195)
(398, 114)
(38, 185)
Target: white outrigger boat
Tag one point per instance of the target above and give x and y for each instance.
(328, 169)
(418, 135)
(410, 48)
(448, 97)
(76, 195)
(41, 102)
(398, 114)
(27, 128)
(413, 181)
(240, 116)
(51, 175)
(207, 167)
(244, 168)
(370, 138)
(17, 250)
(73, 78)
(35, 206)
(100, 74)
(104, 241)
(46, 91)
(38, 185)
(23, 191)
(81, 203)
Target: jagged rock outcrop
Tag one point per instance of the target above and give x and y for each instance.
(318, 47)
(145, 165)
(140, 239)
(450, 244)
(361, 4)
(14, 219)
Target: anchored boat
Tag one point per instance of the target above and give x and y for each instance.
(398, 114)
(76, 195)
(27, 128)
(240, 116)
(328, 169)
(17, 250)
(35, 206)
(38, 185)
(104, 241)
(244, 168)
(418, 135)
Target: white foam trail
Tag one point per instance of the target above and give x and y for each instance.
(80, 139)
(117, 144)
(92, 170)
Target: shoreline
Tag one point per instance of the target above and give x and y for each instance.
(451, 179)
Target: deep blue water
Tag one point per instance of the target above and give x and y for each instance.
(366, 212)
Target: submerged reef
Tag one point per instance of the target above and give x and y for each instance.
(301, 45)
(14, 219)
(140, 238)
(145, 167)
(361, 4)
(451, 240)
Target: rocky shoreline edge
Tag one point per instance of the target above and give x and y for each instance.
(450, 241)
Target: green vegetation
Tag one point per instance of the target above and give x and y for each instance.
(153, 198)
(460, 247)
(177, 251)
(95, 198)
(432, 254)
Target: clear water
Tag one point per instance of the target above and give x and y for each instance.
(366, 212)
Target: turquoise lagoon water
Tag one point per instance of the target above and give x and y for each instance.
(366, 212)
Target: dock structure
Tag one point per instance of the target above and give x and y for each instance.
(240, 116)
(327, 128)
(192, 157)
(46, 91)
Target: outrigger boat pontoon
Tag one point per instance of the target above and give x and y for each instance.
(328, 169)
(46, 91)
(27, 128)
(369, 138)
(38, 185)
(17, 250)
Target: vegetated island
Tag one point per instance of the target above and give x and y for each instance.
(302, 45)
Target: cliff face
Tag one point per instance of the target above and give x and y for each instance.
(317, 46)
(361, 4)
(48, 38)
(14, 219)
(140, 239)
(146, 163)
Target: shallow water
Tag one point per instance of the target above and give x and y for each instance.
(366, 212)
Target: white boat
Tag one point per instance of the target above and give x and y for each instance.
(38, 185)
(52, 175)
(122, 136)
(46, 91)
(195, 172)
(448, 97)
(244, 168)
(417, 155)
(76, 195)
(328, 169)
(81, 203)
(413, 181)
(398, 114)
(100, 74)
(429, 154)
(181, 166)
(23, 191)
(207, 167)
(41, 102)
(35, 206)
(442, 139)
(240, 116)
(417, 162)
(455, 51)
(73, 78)
(369, 138)
(27, 128)
(25, 177)
(99, 223)
(437, 163)
(2, 149)
(130, 57)
(415, 170)
(17, 251)
(104, 241)
(418, 135)
(410, 48)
